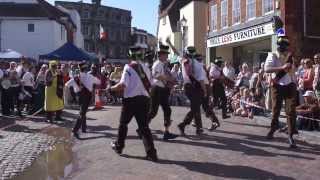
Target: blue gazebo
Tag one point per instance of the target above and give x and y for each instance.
(68, 52)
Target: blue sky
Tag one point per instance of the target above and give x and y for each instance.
(144, 12)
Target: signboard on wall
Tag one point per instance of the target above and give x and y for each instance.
(243, 35)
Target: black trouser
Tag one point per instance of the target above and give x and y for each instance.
(195, 95)
(6, 97)
(218, 93)
(208, 109)
(15, 91)
(137, 107)
(30, 103)
(160, 96)
(288, 94)
(84, 101)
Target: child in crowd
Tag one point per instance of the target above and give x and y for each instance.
(310, 108)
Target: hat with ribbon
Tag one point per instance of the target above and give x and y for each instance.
(135, 53)
(190, 51)
(163, 49)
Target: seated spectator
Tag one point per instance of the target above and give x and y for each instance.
(244, 108)
(309, 109)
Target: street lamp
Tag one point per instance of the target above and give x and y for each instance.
(183, 24)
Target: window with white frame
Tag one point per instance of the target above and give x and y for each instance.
(251, 9)
(236, 11)
(224, 13)
(214, 17)
(267, 6)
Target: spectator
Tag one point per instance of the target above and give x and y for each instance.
(308, 76)
(309, 109)
(316, 81)
(40, 87)
(229, 71)
(28, 86)
(244, 76)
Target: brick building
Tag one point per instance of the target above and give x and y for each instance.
(115, 22)
(242, 30)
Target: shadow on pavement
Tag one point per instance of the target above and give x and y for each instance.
(246, 124)
(220, 170)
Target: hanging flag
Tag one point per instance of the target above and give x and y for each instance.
(103, 34)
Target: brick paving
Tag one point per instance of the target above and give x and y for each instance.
(237, 150)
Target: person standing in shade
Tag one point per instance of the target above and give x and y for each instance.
(54, 92)
(160, 92)
(283, 88)
(218, 89)
(135, 82)
(86, 84)
(193, 78)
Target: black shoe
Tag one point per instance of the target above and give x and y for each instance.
(152, 156)
(270, 134)
(167, 136)
(116, 147)
(295, 131)
(84, 130)
(199, 132)
(59, 119)
(76, 135)
(181, 128)
(225, 116)
(193, 124)
(139, 134)
(214, 126)
(292, 143)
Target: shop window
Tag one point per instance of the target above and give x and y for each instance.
(251, 9)
(236, 11)
(224, 13)
(267, 6)
(214, 17)
(30, 27)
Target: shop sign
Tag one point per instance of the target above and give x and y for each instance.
(243, 35)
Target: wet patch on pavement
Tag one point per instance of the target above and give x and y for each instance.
(36, 156)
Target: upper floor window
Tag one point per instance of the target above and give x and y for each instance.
(86, 14)
(236, 11)
(214, 16)
(30, 27)
(224, 13)
(267, 6)
(251, 9)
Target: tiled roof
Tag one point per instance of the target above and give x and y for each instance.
(21, 10)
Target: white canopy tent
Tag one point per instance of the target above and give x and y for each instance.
(10, 54)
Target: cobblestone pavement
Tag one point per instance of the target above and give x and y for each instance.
(18, 151)
(237, 150)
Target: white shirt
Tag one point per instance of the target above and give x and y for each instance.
(316, 76)
(273, 60)
(133, 84)
(73, 83)
(157, 70)
(1, 74)
(215, 72)
(88, 80)
(28, 79)
(198, 71)
(229, 72)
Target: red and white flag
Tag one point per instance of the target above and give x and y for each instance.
(103, 34)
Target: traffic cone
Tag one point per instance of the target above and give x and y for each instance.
(98, 102)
